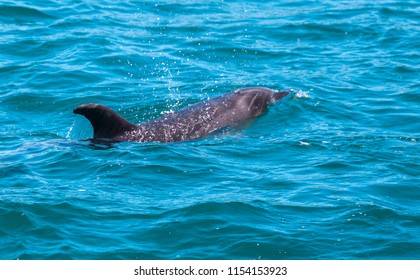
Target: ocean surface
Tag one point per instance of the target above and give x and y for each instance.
(332, 172)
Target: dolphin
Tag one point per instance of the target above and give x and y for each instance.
(192, 122)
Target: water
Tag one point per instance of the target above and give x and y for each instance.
(330, 173)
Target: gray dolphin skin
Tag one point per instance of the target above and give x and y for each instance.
(192, 122)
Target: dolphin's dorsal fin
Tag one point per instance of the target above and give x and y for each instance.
(106, 123)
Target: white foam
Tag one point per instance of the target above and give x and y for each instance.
(301, 94)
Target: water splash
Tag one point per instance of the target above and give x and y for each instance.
(300, 93)
(70, 130)
(80, 129)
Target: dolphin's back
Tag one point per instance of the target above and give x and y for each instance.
(194, 121)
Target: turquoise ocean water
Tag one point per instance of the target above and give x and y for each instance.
(330, 173)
